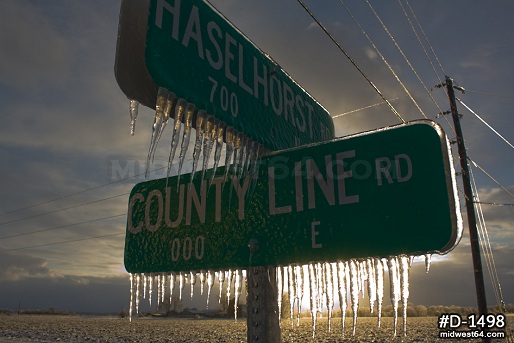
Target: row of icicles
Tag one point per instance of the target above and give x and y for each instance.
(211, 133)
(348, 280)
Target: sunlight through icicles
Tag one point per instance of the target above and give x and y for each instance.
(325, 283)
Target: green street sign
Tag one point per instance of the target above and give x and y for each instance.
(194, 52)
(376, 194)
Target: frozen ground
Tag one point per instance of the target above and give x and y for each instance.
(77, 329)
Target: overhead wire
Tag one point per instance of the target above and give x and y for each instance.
(382, 57)
(486, 124)
(485, 242)
(400, 50)
(491, 177)
(318, 22)
(361, 109)
(426, 38)
(62, 242)
(426, 55)
(63, 209)
(63, 226)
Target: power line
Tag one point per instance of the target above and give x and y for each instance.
(382, 57)
(63, 226)
(351, 60)
(64, 209)
(63, 242)
(491, 177)
(486, 124)
(400, 50)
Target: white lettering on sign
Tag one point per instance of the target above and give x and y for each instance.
(386, 170)
(184, 205)
(315, 180)
(314, 233)
(186, 249)
(223, 51)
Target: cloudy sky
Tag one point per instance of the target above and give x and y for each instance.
(65, 143)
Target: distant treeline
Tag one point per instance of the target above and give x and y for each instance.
(412, 311)
(387, 311)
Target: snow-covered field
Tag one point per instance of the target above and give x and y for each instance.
(78, 329)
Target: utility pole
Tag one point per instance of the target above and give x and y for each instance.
(470, 208)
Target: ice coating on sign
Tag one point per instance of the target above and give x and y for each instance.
(321, 280)
(134, 109)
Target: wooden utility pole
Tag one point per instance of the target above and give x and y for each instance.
(470, 208)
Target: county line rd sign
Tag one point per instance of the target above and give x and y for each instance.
(196, 53)
(379, 194)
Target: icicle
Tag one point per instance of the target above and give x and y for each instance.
(160, 103)
(181, 284)
(201, 117)
(210, 283)
(219, 147)
(211, 127)
(280, 286)
(299, 291)
(172, 285)
(363, 276)
(131, 296)
(238, 140)
(134, 109)
(354, 290)
(150, 289)
(321, 286)
(145, 277)
(170, 101)
(242, 156)
(313, 286)
(163, 287)
(249, 146)
(329, 279)
(411, 260)
(372, 285)
(202, 281)
(159, 281)
(341, 273)
(237, 290)
(229, 278)
(221, 280)
(192, 281)
(379, 275)
(428, 260)
(175, 135)
(404, 287)
(292, 293)
(186, 136)
(138, 282)
(230, 136)
(394, 280)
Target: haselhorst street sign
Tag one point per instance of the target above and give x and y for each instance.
(194, 52)
(384, 193)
